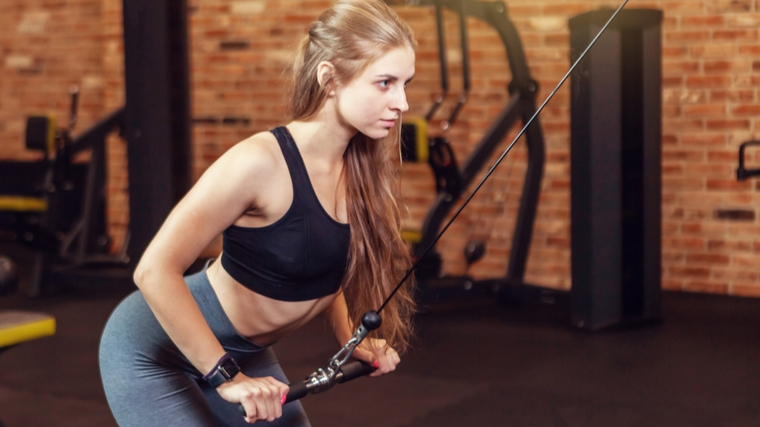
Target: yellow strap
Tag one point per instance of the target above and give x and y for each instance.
(22, 204)
(21, 326)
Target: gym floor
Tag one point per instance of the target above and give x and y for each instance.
(473, 364)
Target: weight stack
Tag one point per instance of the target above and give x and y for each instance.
(616, 138)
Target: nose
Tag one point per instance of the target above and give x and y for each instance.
(399, 101)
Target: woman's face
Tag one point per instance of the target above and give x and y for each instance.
(373, 101)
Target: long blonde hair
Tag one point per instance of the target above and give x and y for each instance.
(351, 35)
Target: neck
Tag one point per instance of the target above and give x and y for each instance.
(323, 137)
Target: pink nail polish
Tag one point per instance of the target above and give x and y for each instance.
(375, 364)
(284, 398)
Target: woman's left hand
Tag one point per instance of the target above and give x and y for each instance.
(378, 354)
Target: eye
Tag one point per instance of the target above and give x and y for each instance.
(384, 84)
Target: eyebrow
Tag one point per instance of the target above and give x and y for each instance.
(392, 77)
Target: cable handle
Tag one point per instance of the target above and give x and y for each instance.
(337, 370)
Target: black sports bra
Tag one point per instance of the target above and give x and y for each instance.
(303, 255)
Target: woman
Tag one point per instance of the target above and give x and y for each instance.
(310, 226)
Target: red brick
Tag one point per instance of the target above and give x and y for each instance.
(684, 242)
(715, 50)
(723, 66)
(732, 95)
(728, 185)
(721, 156)
(702, 110)
(678, 51)
(672, 169)
(703, 139)
(747, 110)
(685, 37)
(750, 50)
(703, 21)
(679, 271)
(708, 81)
(680, 67)
(728, 124)
(723, 6)
(747, 81)
(685, 7)
(735, 35)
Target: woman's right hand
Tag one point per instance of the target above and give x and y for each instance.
(262, 398)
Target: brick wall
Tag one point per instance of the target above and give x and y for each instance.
(239, 49)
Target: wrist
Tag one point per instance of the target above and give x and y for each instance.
(225, 370)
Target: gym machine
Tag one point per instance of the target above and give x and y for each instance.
(57, 206)
(615, 114)
(451, 179)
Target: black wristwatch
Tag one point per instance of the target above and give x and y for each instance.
(226, 369)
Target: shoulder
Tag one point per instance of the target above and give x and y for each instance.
(255, 157)
(260, 151)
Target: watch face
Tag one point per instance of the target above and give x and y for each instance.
(229, 369)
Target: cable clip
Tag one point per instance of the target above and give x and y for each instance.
(325, 377)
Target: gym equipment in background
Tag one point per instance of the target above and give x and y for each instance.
(17, 327)
(616, 170)
(742, 173)
(616, 263)
(57, 206)
(451, 179)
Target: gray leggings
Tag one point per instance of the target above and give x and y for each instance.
(149, 382)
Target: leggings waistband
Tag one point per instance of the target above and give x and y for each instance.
(215, 316)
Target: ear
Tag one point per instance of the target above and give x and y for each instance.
(325, 74)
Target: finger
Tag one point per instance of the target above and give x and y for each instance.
(269, 400)
(273, 401)
(261, 405)
(281, 389)
(249, 404)
(276, 400)
(284, 390)
(379, 368)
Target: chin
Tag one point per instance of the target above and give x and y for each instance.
(378, 134)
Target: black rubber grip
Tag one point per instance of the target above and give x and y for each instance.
(348, 372)
(354, 370)
(297, 391)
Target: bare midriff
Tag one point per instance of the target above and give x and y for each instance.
(261, 319)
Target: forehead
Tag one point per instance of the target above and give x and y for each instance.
(398, 62)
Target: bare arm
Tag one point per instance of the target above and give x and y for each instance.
(227, 189)
(337, 316)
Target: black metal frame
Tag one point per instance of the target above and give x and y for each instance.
(523, 90)
(616, 170)
(157, 113)
(742, 173)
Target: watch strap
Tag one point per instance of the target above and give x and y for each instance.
(224, 370)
